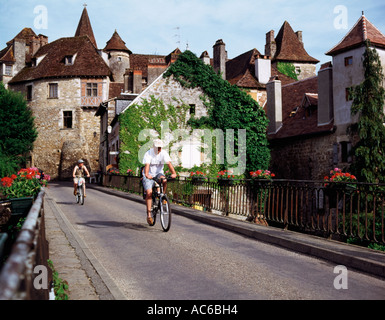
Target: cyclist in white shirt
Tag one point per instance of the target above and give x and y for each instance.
(154, 161)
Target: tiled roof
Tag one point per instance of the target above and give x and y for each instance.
(296, 119)
(85, 28)
(26, 34)
(289, 48)
(87, 62)
(6, 55)
(116, 44)
(363, 30)
(240, 71)
(141, 61)
(116, 89)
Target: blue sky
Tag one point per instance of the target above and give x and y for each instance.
(160, 26)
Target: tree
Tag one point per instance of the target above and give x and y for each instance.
(368, 103)
(18, 131)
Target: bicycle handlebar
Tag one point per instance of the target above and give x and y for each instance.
(166, 177)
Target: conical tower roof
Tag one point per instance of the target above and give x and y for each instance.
(85, 28)
(289, 47)
(116, 44)
(363, 30)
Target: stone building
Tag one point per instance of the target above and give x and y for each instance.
(64, 82)
(309, 118)
(288, 47)
(19, 52)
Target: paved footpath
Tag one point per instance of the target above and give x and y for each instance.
(65, 259)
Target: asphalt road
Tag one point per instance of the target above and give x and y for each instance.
(194, 261)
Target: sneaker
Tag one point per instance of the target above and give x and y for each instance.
(150, 221)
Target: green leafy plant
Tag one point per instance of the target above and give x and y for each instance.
(60, 286)
(368, 103)
(287, 69)
(18, 131)
(148, 115)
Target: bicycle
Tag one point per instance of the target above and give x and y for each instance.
(80, 191)
(161, 205)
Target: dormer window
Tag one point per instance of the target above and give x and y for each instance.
(69, 60)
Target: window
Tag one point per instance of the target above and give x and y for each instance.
(92, 89)
(68, 60)
(8, 70)
(53, 91)
(29, 93)
(192, 109)
(349, 94)
(67, 119)
(345, 151)
(348, 61)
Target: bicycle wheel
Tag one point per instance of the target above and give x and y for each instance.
(77, 197)
(165, 213)
(81, 196)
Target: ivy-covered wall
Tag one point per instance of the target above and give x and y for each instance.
(228, 108)
(217, 105)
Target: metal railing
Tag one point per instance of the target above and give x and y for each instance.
(17, 277)
(340, 211)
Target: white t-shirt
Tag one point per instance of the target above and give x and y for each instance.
(156, 161)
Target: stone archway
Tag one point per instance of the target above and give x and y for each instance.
(71, 152)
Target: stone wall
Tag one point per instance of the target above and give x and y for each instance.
(57, 148)
(307, 70)
(305, 158)
(167, 89)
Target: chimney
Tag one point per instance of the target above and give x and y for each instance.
(205, 57)
(19, 47)
(299, 36)
(274, 105)
(35, 45)
(43, 40)
(271, 46)
(325, 94)
(220, 57)
(262, 69)
(137, 81)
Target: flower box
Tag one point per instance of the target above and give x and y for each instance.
(225, 182)
(21, 206)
